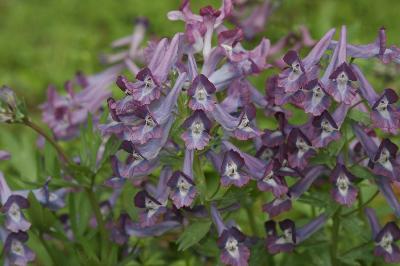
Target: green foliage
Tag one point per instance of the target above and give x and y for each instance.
(193, 234)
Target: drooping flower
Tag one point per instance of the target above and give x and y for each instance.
(385, 160)
(201, 93)
(231, 242)
(384, 114)
(231, 170)
(300, 149)
(291, 236)
(384, 238)
(12, 204)
(326, 130)
(153, 205)
(197, 131)
(343, 191)
(283, 203)
(16, 251)
(302, 71)
(272, 180)
(183, 190)
(316, 100)
(340, 79)
(242, 127)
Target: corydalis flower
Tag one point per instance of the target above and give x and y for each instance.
(291, 236)
(231, 170)
(326, 130)
(153, 208)
(343, 192)
(272, 180)
(153, 205)
(12, 205)
(384, 114)
(242, 127)
(17, 253)
(384, 238)
(197, 131)
(385, 160)
(183, 189)
(340, 86)
(300, 149)
(145, 90)
(201, 92)
(316, 100)
(231, 242)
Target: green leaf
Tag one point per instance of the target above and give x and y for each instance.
(51, 162)
(193, 234)
(361, 172)
(359, 116)
(199, 177)
(111, 147)
(41, 218)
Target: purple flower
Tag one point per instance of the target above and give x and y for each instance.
(284, 243)
(53, 200)
(316, 100)
(153, 209)
(272, 180)
(4, 155)
(12, 205)
(294, 77)
(301, 71)
(136, 164)
(377, 49)
(326, 130)
(242, 127)
(231, 242)
(17, 253)
(284, 203)
(231, 170)
(384, 114)
(197, 131)
(300, 149)
(384, 238)
(201, 92)
(343, 192)
(145, 90)
(339, 86)
(291, 236)
(385, 162)
(65, 114)
(153, 201)
(183, 189)
(118, 229)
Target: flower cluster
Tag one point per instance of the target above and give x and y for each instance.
(192, 141)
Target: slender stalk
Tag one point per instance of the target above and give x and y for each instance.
(335, 237)
(46, 247)
(360, 207)
(100, 222)
(250, 217)
(41, 132)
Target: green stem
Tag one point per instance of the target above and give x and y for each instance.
(41, 132)
(46, 247)
(360, 207)
(335, 237)
(252, 221)
(100, 222)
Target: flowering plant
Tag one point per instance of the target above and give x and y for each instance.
(195, 160)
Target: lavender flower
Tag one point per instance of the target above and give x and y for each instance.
(384, 238)
(16, 251)
(231, 242)
(343, 192)
(198, 128)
